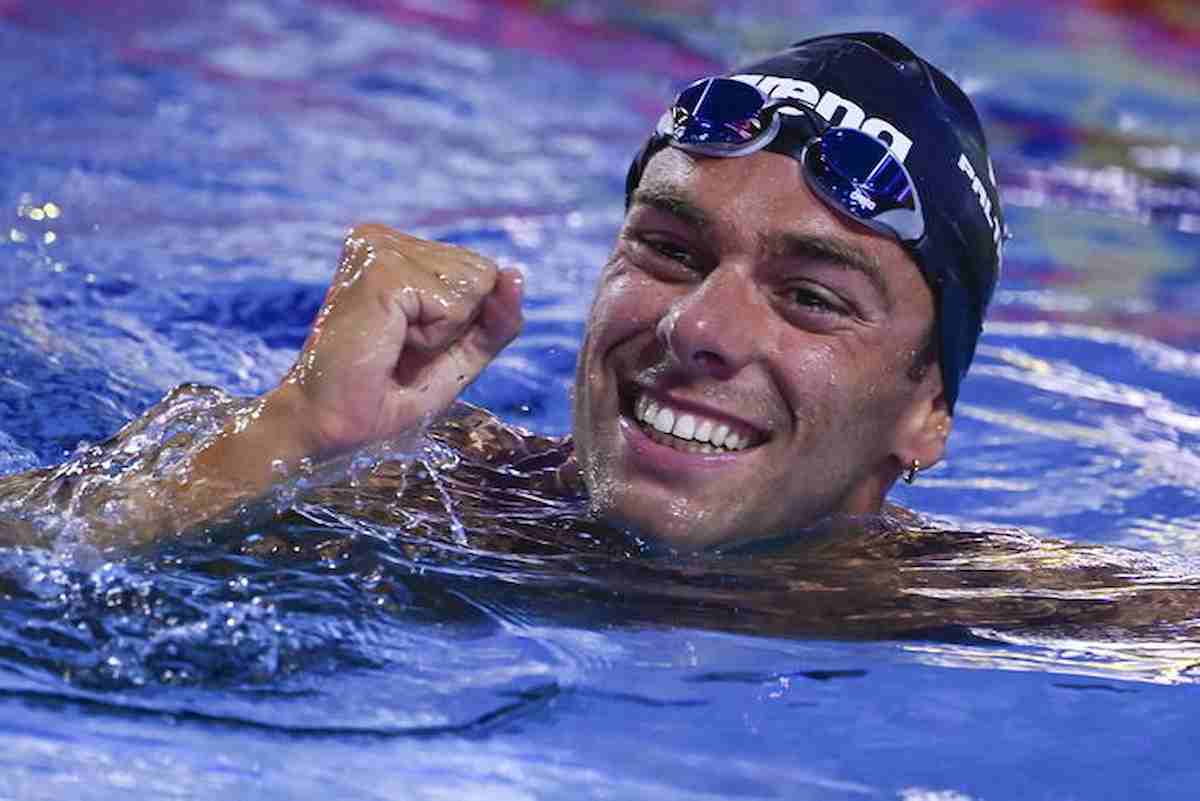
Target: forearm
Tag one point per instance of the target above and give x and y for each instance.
(198, 456)
(261, 444)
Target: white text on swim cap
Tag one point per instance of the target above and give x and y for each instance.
(833, 107)
(985, 202)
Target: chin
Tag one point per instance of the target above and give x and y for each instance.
(675, 525)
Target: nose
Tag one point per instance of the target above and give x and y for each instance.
(711, 330)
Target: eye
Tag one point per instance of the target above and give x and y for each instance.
(670, 250)
(662, 253)
(812, 299)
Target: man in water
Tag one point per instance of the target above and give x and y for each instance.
(780, 333)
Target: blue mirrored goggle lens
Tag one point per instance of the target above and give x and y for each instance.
(861, 176)
(718, 112)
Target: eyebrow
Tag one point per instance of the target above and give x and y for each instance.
(786, 244)
(671, 202)
(832, 251)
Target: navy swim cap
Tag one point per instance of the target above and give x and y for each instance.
(872, 82)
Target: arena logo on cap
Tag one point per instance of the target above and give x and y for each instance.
(833, 107)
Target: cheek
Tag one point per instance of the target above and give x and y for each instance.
(626, 302)
(840, 393)
(813, 381)
(616, 314)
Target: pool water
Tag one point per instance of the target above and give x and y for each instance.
(175, 180)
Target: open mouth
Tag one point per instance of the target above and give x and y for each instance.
(689, 431)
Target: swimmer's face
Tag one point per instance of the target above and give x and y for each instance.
(741, 304)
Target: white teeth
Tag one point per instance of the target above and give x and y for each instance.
(719, 435)
(709, 437)
(685, 426)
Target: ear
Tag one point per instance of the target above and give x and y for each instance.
(925, 425)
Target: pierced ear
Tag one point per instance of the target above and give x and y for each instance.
(924, 429)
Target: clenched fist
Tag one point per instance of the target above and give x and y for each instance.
(405, 326)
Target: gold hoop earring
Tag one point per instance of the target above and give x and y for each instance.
(910, 475)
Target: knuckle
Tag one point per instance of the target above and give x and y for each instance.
(473, 283)
(380, 241)
(385, 261)
(364, 234)
(358, 249)
(459, 272)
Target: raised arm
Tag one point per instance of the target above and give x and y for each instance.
(405, 326)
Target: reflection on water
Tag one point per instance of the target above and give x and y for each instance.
(1173, 659)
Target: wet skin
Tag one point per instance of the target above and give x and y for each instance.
(734, 294)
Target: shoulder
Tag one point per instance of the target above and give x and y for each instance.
(478, 435)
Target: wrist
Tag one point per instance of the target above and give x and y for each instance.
(288, 428)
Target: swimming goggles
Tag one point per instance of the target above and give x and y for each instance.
(852, 172)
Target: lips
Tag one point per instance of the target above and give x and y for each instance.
(676, 425)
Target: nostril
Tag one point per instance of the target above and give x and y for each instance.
(707, 360)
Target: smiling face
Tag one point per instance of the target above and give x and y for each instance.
(746, 370)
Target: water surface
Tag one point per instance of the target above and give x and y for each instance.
(174, 184)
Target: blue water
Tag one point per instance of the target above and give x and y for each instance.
(203, 164)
